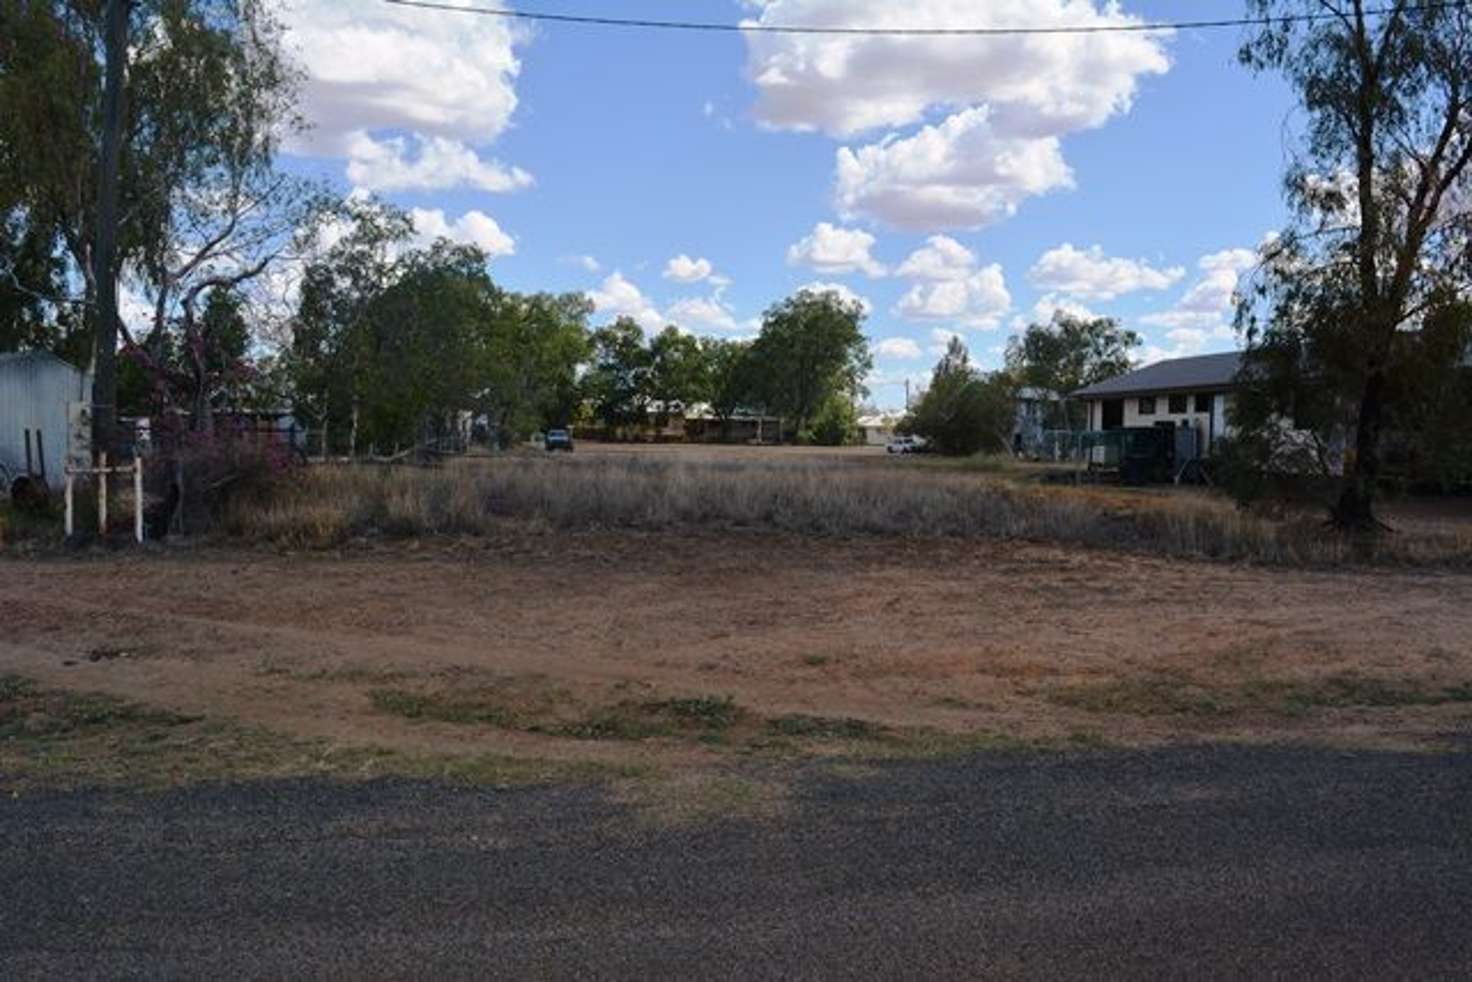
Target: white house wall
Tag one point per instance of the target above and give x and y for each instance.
(1210, 426)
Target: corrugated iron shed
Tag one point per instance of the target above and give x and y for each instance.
(37, 390)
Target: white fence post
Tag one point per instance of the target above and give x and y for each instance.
(137, 497)
(102, 496)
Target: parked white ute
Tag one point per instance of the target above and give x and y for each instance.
(906, 444)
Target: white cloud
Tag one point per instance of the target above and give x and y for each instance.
(1184, 342)
(830, 249)
(902, 349)
(1178, 318)
(1220, 272)
(1089, 274)
(711, 313)
(953, 287)
(941, 258)
(1208, 302)
(588, 263)
(940, 340)
(378, 69)
(846, 294)
(1010, 99)
(847, 84)
(433, 163)
(686, 270)
(980, 300)
(961, 173)
(472, 228)
(618, 297)
(1047, 306)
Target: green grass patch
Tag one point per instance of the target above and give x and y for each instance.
(52, 739)
(30, 714)
(1170, 695)
(1158, 696)
(482, 709)
(706, 718)
(827, 728)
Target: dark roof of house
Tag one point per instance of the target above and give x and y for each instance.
(1198, 372)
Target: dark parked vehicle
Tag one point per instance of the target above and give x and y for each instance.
(558, 440)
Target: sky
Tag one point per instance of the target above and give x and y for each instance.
(962, 186)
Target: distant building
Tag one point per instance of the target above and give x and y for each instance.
(1181, 392)
(44, 401)
(878, 429)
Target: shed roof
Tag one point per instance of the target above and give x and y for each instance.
(1175, 374)
(25, 358)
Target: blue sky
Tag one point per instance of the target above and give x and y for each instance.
(960, 186)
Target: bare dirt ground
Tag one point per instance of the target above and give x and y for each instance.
(541, 645)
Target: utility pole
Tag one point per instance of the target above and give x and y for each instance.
(105, 244)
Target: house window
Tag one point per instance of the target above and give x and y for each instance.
(1178, 403)
(1203, 402)
(1147, 406)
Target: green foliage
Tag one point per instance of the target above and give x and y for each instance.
(1068, 354)
(730, 376)
(420, 365)
(678, 370)
(620, 382)
(629, 375)
(333, 331)
(391, 344)
(963, 411)
(836, 424)
(32, 278)
(533, 347)
(811, 348)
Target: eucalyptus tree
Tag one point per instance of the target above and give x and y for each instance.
(811, 347)
(1381, 242)
(187, 102)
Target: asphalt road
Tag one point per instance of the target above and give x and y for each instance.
(1223, 863)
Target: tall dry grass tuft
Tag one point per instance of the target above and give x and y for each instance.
(331, 504)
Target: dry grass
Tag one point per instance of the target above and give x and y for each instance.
(331, 505)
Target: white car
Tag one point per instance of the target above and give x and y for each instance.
(906, 444)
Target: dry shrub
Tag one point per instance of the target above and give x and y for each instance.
(331, 504)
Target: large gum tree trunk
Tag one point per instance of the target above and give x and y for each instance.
(1355, 510)
(105, 315)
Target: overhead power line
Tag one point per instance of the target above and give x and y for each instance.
(1134, 27)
